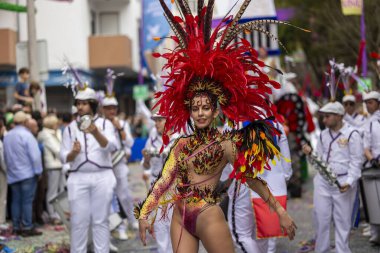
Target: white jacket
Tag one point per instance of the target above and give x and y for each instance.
(51, 140)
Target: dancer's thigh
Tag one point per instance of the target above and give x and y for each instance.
(212, 230)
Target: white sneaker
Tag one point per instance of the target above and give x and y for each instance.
(113, 248)
(122, 235)
(135, 225)
(366, 233)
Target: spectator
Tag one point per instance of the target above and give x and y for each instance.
(51, 137)
(35, 93)
(23, 160)
(3, 177)
(22, 93)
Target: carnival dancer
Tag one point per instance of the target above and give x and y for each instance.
(153, 162)
(372, 144)
(340, 146)
(206, 72)
(122, 133)
(91, 182)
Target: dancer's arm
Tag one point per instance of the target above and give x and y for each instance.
(261, 188)
(159, 188)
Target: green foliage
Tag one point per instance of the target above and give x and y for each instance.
(333, 35)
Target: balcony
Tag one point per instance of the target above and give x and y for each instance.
(110, 52)
(8, 40)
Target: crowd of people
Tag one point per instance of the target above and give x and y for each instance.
(209, 181)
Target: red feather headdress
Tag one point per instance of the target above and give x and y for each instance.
(215, 63)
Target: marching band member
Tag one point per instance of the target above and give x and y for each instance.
(153, 163)
(372, 144)
(87, 145)
(351, 116)
(256, 235)
(122, 133)
(339, 145)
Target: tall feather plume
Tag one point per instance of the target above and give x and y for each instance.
(181, 41)
(200, 7)
(233, 24)
(346, 75)
(184, 7)
(267, 33)
(110, 77)
(331, 80)
(177, 28)
(208, 21)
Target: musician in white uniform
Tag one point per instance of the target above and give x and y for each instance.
(124, 139)
(91, 181)
(153, 163)
(244, 229)
(372, 144)
(339, 145)
(351, 116)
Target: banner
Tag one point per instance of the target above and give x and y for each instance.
(154, 23)
(352, 7)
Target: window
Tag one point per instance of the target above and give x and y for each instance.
(109, 23)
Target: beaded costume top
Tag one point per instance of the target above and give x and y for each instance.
(195, 163)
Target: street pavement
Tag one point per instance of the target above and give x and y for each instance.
(299, 209)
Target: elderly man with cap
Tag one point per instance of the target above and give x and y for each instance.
(87, 144)
(372, 144)
(24, 165)
(351, 116)
(339, 145)
(123, 136)
(153, 162)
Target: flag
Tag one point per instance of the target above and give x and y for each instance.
(154, 23)
(352, 7)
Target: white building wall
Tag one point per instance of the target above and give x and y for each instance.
(129, 16)
(66, 27)
(8, 19)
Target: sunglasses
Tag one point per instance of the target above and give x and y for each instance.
(349, 104)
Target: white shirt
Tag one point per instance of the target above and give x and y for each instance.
(153, 145)
(371, 138)
(92, 156)
(356, 120)
(51, 140)
(128, 142)
(343, 151)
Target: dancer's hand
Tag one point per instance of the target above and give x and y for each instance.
(143, 226)
(288, 224)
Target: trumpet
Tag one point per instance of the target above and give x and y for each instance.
(84, 122)
(324, 170)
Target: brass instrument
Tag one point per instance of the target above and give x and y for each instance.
(324, 170)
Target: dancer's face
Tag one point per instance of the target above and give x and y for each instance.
(202, 111)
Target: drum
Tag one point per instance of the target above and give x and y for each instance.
(371, 189)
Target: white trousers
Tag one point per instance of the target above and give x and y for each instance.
(162, 232)
(55, 184)
(123, 192)
(90, 196)
(331, 205)
(244, 222)
(3, 196)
